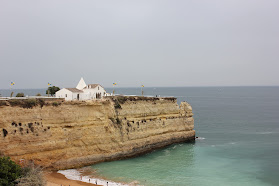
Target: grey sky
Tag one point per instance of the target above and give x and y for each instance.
(150, 42)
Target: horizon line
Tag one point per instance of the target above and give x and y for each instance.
(193, 86)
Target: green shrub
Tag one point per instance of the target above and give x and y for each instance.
(20, 94)
(170, 98)
(121, 99)
(25, 103)
(38, 94)
(117, 105)
(29, 103)
(15, 102)
(41, 102)
(3, 103)
(9, 171)
(56, 104)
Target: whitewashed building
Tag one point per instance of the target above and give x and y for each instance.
(82, 92)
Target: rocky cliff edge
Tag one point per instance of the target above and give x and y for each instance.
(76, 134)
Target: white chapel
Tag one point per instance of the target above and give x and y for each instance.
(82, 92)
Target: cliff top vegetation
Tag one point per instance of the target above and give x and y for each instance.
(118, 100)
(30, 103)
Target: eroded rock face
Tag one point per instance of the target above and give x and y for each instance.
(77, 134)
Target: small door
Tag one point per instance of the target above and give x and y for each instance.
(77, 96)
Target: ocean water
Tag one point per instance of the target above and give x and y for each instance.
(27, 92)
(239, 145)
(239, 140)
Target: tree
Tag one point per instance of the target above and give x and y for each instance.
(52, 90)
(20, 94)
(9, 171)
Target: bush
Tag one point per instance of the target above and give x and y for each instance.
(3, 103)
(25, 103)
(20, 94)
(56, 104)
(15, 102)
(9, 172)
(29, 103)
(121, 99)
(38, 94)
(31, 176)
(41, 102)
(117, 105)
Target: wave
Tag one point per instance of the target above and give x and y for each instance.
(225, 144)
(200, 138)
(265, 132)
(74, 174)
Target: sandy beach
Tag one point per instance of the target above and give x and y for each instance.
(57, 179)
(85, 174)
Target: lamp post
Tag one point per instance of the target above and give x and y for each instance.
(48, 89)
(12, 84)
(113, 88)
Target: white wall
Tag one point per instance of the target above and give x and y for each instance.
(88, 93)
(65, 93)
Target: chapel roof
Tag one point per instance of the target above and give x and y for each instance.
(74, 90)
(81, 84)
(94, 85)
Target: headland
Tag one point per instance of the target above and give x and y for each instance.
(59, 134)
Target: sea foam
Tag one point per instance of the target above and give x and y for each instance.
(74, 174)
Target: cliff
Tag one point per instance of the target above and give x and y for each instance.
(76, 134)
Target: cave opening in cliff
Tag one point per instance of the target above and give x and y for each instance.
(5, 132)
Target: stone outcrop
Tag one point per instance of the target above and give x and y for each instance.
(76, 134)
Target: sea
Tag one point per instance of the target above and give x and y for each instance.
(237, 144)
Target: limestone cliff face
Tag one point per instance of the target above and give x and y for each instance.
(76, 134)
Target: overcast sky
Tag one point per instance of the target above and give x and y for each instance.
(150, 42)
